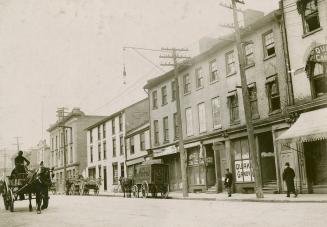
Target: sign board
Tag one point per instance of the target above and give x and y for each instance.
(319, 54)
(164, 151)
(243, 171)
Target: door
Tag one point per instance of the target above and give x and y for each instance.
(195, 164)
(210, 166)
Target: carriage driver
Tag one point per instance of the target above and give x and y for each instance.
(19, 163)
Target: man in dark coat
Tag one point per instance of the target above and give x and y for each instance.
(288, 177)
(228, 182)
(20, 163)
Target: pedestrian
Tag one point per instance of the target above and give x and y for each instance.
(288, 177)
(228, 182)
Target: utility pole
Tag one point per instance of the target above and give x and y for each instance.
(246, 103)
(174, 56)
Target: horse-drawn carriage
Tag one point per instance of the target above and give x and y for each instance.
(19, 185)
(91, 184)
(82, 186)
(151, 178)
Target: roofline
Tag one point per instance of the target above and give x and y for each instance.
(254, 26)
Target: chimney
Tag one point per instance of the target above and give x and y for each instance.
(250, 16)
(60, 113)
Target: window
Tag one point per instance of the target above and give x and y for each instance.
(319, 80)
(173, 90)
(91, 138)
(233, 108)
(131, 145)
(114, 173)
(199, 78)
(104, 150)
(213, 69)
(57, 140)
(215, 103)
(253, 100)
(154, 100)
(104, 131)
(113, 126)
(176, 128)
(121, 145)
(99, 171)
(240, 150)
(142, 141)
(71, 154)
(122, 170)
(189, 122)
(187, 84)
(114, 147)
(156, 131)
(310, 16)
(273, 94)
(164, 95)
(269, 44)
(99, 151)
(230, 63)
(99, 133)
(165, 130)
(249, 56)
(120, 123)
(202, 117)
(91, 154)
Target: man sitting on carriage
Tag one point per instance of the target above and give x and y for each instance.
(20, 167)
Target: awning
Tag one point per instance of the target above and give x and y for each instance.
(310, 126)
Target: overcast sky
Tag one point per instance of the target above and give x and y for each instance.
(69, 53)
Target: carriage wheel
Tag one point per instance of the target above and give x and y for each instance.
(5, 202)
(145, 189)
(153, 189)
(164, 191)
(11, 200)
(72, 190)
(135, 191)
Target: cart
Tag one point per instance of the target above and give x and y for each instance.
(91, 184)
(74, 186)
(151, 178)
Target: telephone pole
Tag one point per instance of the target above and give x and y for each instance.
(175, 56)
(246, 103)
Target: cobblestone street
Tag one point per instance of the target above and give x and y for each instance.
(110, 211)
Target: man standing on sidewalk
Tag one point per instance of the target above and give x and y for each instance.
(228, 182)
(288, 177)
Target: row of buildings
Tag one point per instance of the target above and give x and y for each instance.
(286, 70)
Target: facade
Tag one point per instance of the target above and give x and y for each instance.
(304, 145)
(67, 136)
(213, 115)
(106, 153)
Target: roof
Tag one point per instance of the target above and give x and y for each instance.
(310, 126)
(226, 40)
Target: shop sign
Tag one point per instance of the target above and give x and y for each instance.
(319, 54)
(243, 171)
(164, 151)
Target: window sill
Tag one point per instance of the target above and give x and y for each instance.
(164, 104)
(217, 127)
(249, 66)
(199, 88)
(275, 112)
(269, 57)
(154, 108)
(235, 122)
(187, 93)
(213, 82)
(173, 100)
(231, 74)
(312, 32)
(165, 142)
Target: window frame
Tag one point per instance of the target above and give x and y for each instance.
(131, 145)
(304, 17)
(228, 64)
(269, 85)
(142, 141)
(265, 50)
(165, 129)
(199, 78)
(216, 126)
(189, 122)
(247, 55)
(156, 132)
(173, 90)
(114, 148)
(233, 105)
(176, 126)
(164, 98)
(202, 122)
(186, 84)
(155, 99)
(213, 72)
(252, 99)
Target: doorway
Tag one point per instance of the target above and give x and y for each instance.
(105, 178)
(210, 166)
(195, 169)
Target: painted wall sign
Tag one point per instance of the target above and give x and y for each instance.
(243, 171)
(319, 54)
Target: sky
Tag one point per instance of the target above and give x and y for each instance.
(69, 53)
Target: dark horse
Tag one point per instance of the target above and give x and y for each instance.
(126, 185)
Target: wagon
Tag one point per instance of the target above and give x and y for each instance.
(74, 186)
(91, 184)
(151, 178)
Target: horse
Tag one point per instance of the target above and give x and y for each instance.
(126, 185)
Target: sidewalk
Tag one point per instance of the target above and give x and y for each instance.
(279, 198)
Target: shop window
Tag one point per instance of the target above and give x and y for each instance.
(269, 44)
(115, 173)
(310, 15)
(249, 56)
(319, 80)
(154, 100)
(199, 78)
(186, 84)
(156, 132)
(213, 69)
(253, 100)
(202, 117)
(233, 108)
(164, 95)
(189, 122)
(230, 63)
(273, 94)
(215, 104)
(242, 164)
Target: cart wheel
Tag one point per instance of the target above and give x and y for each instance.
(164, 191)
(5, 202)
(135, 191)
(153, 189)
(145, 189)
(72, 190)
(11, 201)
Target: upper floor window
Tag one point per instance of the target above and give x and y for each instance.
(114, 147)
(319, 80)
(154, 100)
(273, 93)
(120, 122)
(173, 90)
(213, 69)
(249, 56)
(199, 78)
(164, 95)
(310, 15)
(99, 133)
(189, 122)
(176, 128)
(230, 63)
(113, 126)
(104, 130)
(142, 141)
(253, 100)
(233, 108)
(104, 150)
(165, 129)
(156, 131)
(269, 44)
(187, 84)
(131, 145)
(121, 145)
(215, 103)
(91, 138)
(99, 151)
(91, 154)
(202, 117)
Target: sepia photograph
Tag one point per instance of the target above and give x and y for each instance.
(155, 113)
